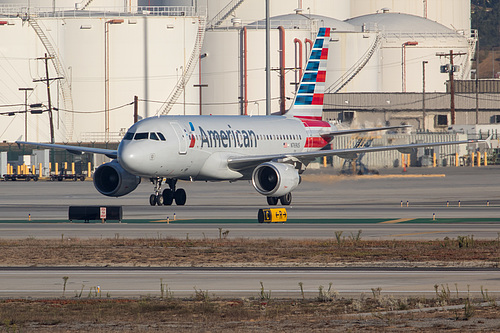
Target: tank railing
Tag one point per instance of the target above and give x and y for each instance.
(288, 24)
(71, 12)
(373, 27)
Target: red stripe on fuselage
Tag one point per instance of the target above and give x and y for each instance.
(313, 121)
(315, 142)
(304, 118)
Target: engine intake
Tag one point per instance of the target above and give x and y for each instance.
(112, 180)
(275, 179)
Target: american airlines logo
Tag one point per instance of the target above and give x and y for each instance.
(228, 138)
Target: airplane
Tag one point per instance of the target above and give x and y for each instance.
(270, 151)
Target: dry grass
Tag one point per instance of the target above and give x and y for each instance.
(243, 252)
(241, 315)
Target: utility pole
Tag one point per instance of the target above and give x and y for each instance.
(452, 69)
(423, 94)
(47, 80)
(26, 111)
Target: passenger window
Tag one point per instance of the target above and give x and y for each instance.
(141, 136)
(160, 135)
(128, 136)
(153, 136)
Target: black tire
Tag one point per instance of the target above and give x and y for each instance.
(286, 200)
(159, 200)
(82, 178)
(180, 197)
(35, 178)
(168, 197)
(272, 201)
(60, 178)
(152, 199)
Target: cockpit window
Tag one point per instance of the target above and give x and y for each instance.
(162, 138)
(141, 136)
(153, 136)
(128, 136)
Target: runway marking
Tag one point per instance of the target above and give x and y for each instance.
(420, 233)
(396, 221)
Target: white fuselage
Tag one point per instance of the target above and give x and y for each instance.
(198, 147)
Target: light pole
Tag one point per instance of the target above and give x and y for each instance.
(106, 75)
(423, 93)
(200, 85)
(25, 111)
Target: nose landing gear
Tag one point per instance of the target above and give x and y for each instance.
(168, 196)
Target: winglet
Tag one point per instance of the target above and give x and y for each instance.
(488, 141)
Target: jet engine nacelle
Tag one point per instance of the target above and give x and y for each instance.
(112, 180)
(274, 179)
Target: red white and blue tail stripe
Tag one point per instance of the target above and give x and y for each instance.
(308, 103)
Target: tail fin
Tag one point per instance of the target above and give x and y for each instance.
(308, 103)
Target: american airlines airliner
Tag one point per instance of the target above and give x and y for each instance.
(271, 151)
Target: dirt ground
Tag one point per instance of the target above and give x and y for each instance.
(352, 251)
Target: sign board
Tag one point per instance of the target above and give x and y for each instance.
(103, 213)
(269, 215)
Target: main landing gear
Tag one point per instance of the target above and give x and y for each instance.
(286, 200)
(168, 196)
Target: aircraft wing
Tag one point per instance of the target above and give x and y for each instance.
(361, 130)
(246, 162)
(74, 149)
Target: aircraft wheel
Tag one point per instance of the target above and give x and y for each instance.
(159, 200)
(272, 201)
(152, 199)
(168, 197)
(286, 199)
(180, 197)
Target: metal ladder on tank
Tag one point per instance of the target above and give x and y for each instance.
(224, 13)
(356, 68)
(59, 68)
(84, 4)
(186, 74)
(355, 166)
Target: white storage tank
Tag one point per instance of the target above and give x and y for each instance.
(405, 42)
(453, 14)
(105, 59)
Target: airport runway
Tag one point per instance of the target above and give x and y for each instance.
(365, 200)
(372, 200)
(283, 283)
(318, 196)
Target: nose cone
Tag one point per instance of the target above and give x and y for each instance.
(131, 157)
